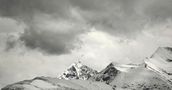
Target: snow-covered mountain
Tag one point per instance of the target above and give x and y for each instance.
(161, 62)
(110, 78)
(153, 74)
(107, 75)
(78, 71)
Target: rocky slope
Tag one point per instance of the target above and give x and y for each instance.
(107, 75)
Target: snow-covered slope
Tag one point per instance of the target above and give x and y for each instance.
(161, 62)
(48, 83)
(139, 78)
(131, 77)
(78, 71)
(108, 74)
(126, 67)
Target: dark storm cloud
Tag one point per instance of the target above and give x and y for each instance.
(49, 41)
(124, 17)
(32, 12)
(23, 9)
(159, 10)
(117, 17)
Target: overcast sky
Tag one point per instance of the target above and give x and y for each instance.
(43, 37)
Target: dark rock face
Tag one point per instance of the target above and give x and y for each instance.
(72, 74)
(107, 75)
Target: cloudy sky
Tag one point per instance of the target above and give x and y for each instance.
(43, 37)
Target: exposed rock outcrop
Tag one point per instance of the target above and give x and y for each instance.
(78, 71)
(107, 75)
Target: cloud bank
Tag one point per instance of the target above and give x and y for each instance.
(42, 37)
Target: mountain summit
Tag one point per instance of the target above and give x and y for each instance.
(106, 75)
(78, 71)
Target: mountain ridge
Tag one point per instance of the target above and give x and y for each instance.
(146, 76)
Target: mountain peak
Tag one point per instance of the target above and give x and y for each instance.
(107, 75)
(78, 71)
(113, 63)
